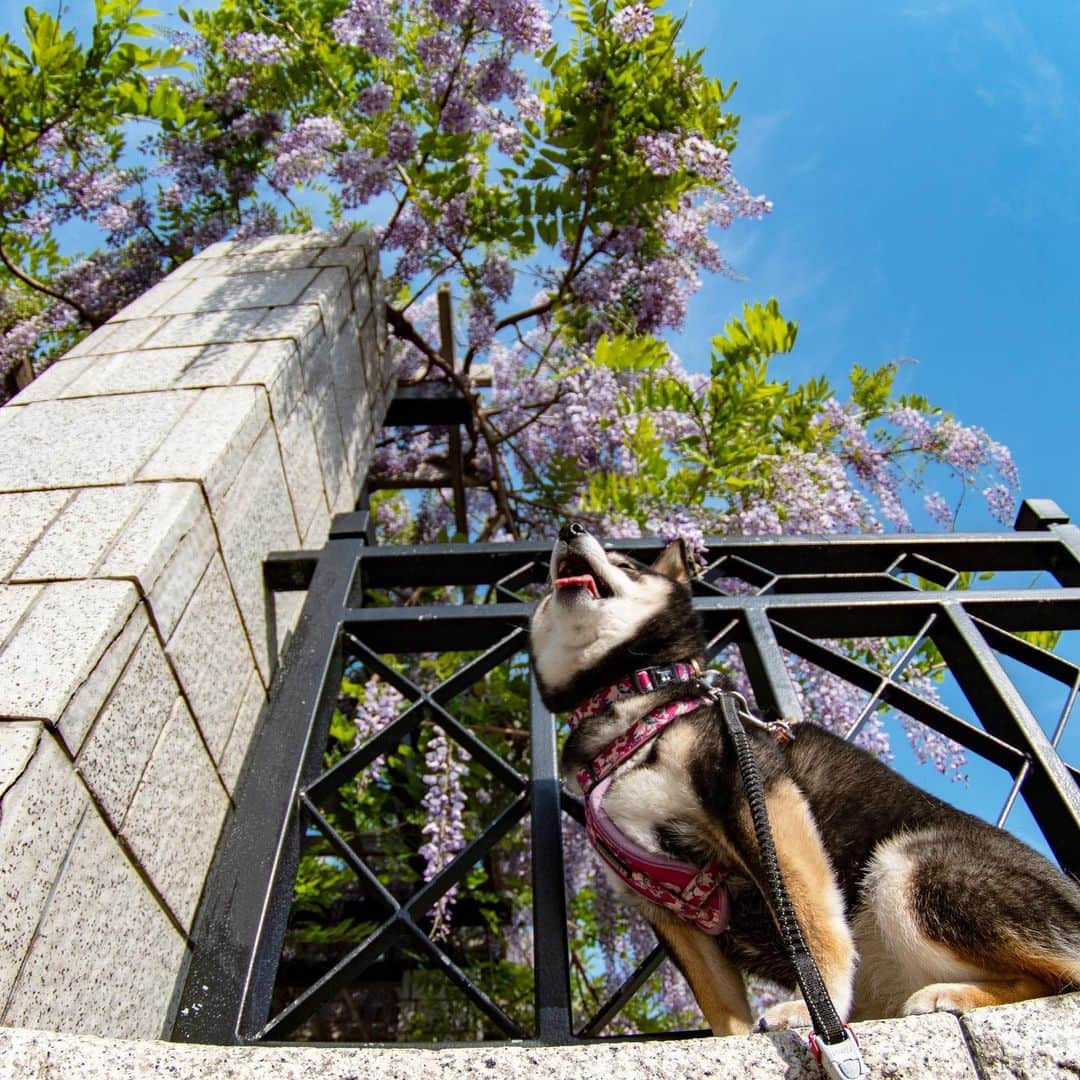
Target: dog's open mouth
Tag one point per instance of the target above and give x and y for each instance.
(575, 572)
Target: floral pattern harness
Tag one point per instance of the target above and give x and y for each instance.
(695, 894)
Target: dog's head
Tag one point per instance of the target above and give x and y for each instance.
(605, 615)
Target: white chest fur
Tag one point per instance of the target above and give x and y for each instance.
(641, 800)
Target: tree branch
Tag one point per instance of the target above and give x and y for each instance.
(405, 331)
(39, 286)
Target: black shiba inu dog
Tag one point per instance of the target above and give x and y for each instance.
(908, 905)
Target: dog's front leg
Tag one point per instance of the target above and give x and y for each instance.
(815, 895)
(717, 985)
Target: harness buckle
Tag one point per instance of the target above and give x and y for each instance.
(840, 1060)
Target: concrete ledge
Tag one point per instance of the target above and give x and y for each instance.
(939, 1046)
(1032, 1039)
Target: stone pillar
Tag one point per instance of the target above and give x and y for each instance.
(228, 412)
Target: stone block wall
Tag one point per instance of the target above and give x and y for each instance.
(228, 412)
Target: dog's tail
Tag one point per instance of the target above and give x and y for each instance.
(1057, 969)
(1049, 948)
(1032, 924)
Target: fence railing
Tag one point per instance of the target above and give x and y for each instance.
(768, 599)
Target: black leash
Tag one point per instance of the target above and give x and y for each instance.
(833, 1044)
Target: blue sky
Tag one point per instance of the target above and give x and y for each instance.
(924, 162)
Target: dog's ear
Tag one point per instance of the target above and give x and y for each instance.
(674, 562)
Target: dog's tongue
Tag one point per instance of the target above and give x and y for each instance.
(582, 581)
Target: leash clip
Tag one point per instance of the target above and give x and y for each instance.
(778, 729)
(840, 1060)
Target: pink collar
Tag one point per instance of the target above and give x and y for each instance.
(696, 894)
(642, 681)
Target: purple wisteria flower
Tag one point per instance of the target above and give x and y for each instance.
(255, 48)
(300, 153)
(508, 138)
(497, 275)
(705, 158)
(94, 187)
(401, 141)
(449, 11)
(361, 176)
(661, 152)
(667, 152)
(868, 461)
(1002, 460)
(262, 221)
(530, 108)
(494, 78)
(930, 746)
(481, 324)
(236, 91)
(966, 449)
(376, 708)
(444, 819)
(914, 425)
(633, 23)
(38, 223)
(523, 23)
(393, 519)
(460, 115)
(413, 236)
(115, 218)
(999, 500)
(938, 509)
(365, 24)
(808, 493)
(374, 99)
(439, 50)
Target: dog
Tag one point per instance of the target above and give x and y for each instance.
(907, 904)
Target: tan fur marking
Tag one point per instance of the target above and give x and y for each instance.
(812, 886)
(677, 746)
(716, 983)
(1058, 970)
(960, 997)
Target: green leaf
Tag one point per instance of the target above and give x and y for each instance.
(621, 353)
(540, 170)
(548, 231)
(763, 333)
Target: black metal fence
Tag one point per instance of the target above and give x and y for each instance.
(790, 596)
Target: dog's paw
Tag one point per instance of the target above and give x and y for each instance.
(784, 1014)
(938, 997)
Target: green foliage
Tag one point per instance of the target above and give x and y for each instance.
(55, 81)
(740, 420)
(763, 333)
(621, 353)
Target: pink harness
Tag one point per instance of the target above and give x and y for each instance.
(696, 894)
